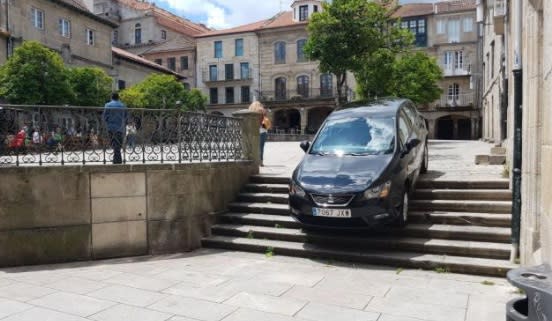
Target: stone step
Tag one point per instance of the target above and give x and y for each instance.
(263, 198)
(270, 220)
(464, 194)
(368, 241)
(267, 179)
(459, 264)
(504, 207)
(473, 184)
(266, 188)
(461, 218)
(263, 208)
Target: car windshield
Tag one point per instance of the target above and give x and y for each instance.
(356, 136)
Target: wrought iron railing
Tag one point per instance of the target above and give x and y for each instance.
(460, 100)
(53, 135)
(456, 70)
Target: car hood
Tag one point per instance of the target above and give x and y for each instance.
(340, 174)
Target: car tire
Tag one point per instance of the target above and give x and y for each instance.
(425, 161)
(402, 211)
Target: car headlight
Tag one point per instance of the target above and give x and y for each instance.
(380, 191)
(295, 189)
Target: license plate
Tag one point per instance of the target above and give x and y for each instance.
(331, 212)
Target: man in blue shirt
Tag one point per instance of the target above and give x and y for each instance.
(115, 117)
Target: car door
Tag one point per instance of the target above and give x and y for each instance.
(408, 158)
(419, 131)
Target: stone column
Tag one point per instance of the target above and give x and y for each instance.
(304, 119)
(455, 129)
(431, 128)
(250, 135)
(473, 128)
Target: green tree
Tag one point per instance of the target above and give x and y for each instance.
(35, 75)
(416, 76)
(156, 91)
(91, 86)
(195, 100)
(374, 79)
(347, 32)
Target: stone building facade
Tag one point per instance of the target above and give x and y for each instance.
(448, 32)
(65, 26)
(524, 50)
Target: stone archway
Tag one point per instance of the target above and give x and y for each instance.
(445, 128)
(316, 117)
(454, 127)
(464, 128)
(286, 121)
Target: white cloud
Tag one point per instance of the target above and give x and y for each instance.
(228, 13)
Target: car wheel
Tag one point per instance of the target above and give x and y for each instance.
(425, 161)
(402, 211)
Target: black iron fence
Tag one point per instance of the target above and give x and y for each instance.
(50, 135)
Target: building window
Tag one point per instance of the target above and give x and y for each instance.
(453, 92)
(115, 37)
(65, 28)
(303, 86)
(315, 8)
(218, 49)
(454, 30)
(90, 37)
(159, 61)
(303, 13)
(280, 88)
(280, 52)
(121, 84)
(453, 60)
(229, 71)
(229, 95)
(213, 96)
(239, 47)
(138, 34)
(418, 28)
(171, 63)
(38, 18)
(441, 26)
(186, 86)
(468, 24)
(163, 34)
(245, 94)
(213, 73)
(326, 83)
(300, 50)
(184, 63)
(244, 70)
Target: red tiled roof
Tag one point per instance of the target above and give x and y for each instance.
(283, 19)
(250, 27)
(413, 10)
(457, 5)
(142, 61)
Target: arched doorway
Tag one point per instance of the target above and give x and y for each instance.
(445, 128)
(316, 117)
(287, 121)
(464, 129)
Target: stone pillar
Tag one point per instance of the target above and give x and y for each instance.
(304, 119)
(455, 129)
(250, 134)
(473, 129)
(431, 129)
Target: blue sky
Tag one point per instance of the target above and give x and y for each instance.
(221, 14)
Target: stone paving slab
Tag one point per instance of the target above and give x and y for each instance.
(276, 288)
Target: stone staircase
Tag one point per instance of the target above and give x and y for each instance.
(456, 226)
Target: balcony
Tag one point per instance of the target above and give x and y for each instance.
(221, 77)
(456, 101)
(454, 71)
(500, 11)
(297, 95)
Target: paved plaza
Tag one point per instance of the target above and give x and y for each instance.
(213, 285)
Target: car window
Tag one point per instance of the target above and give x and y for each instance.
(356, 135)
(404, 129)
(411, 113)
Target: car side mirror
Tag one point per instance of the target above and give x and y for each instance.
(410, 145)
(305, 145)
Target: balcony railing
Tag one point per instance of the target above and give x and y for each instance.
(222, 77)
(47, 135)
(297, 94)
(451, 70)
(460, 100)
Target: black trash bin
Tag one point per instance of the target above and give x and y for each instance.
(537, 284)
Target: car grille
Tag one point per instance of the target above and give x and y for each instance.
(331, 199)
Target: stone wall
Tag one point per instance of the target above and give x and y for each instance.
(56, 214)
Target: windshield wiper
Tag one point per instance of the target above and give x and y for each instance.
(319, 153)
(357, 154)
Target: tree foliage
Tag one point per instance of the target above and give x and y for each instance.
(35, 75)
(91, 86)
(163, 92)
(348, 32)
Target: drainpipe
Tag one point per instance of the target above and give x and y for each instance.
(518, 98)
